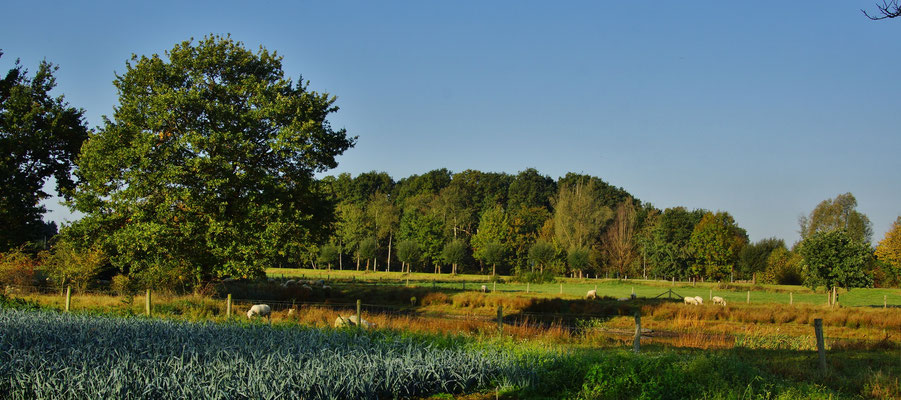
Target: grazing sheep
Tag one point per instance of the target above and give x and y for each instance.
(292, 312)
(307, 287)
(623, 299)
(484, 289)
(699, 299)
(691, 300)
(719, 300)
(261, 310)
(592, 294)
(352, 321)
(320, 283)
(290, 282)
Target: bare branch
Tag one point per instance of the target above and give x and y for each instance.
(888, 9)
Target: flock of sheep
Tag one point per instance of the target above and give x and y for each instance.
(263, 310)
(696, 300)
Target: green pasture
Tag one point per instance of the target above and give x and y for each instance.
(574, 287)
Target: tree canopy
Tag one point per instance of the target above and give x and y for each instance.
(715, 244)
(40, 136)
(207, 164)
(835, 259)
(835, 214)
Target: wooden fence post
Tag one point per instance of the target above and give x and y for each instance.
(710, 296)
(68, 297)
(147, 305)
(821, 346)
(561, 288)
(500, 319)
(228, 306)
(494, 287)
(674, 281)
(636, 344)
(527, 287)
(791, 298)
(359, 313)
(749, 297)
(885, 301)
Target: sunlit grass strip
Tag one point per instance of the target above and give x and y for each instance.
(56, 355)
(577, 288)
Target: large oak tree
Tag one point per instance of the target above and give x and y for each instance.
(206, 167)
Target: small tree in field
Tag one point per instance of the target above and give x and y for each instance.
(328, 255)
(408, 253)
(577, 260)
(835, 259)
(542, 254)
(368, 250)
(454, 253)
(493, 253)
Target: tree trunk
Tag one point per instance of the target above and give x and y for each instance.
(388, 267)
(493, 269)
(358, 261)
(340, 257)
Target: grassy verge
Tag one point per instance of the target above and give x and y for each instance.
(577, 288)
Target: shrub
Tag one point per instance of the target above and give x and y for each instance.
(17, 268)
(67, 265)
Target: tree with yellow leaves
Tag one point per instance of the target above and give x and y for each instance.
(889, 248)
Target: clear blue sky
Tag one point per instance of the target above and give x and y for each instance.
(762, 109)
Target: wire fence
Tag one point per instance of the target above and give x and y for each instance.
(524, 322)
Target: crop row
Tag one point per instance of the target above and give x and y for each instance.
(57, 355)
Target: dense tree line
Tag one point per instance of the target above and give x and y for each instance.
(523, 224)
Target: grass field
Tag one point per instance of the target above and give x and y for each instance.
(765, 349)
(551, 364)
(576, 288)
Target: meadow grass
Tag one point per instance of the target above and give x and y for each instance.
(734, 293)
(715, 355)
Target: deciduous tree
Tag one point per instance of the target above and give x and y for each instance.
(454, 253)
(889, 250)
(408, 253)
(837, 214)
(835, 259)
(619, 243)
(40, 136)
(207, 163)
(578, 216)
(715, 244)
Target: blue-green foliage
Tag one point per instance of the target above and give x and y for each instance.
(56, 355)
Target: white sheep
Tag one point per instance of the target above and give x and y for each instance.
(719, 300)
(592, 294)
(352, 321)
(699, 299)
(484, 289)
(261, 310)
(292, 312)
(691, 300)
